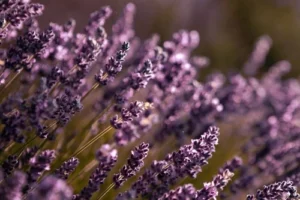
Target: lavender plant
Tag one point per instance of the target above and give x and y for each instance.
(73, 105)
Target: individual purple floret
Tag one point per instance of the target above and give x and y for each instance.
(134, 164)
(280, 190)
(66, 168)
(11, 188)
(107, 158)
(51, 188)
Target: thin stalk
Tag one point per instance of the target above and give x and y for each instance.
(2, 63)
(21, 149)
(92, 141)
(106, 191)
(83, 171)
(95, 86)
(90, 124)
(6, 25)
(15, 76)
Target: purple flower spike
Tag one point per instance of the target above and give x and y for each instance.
(279, 190)
(97, 19)
(134, 164)
(67, 168)
(186, 192)
(107, 158)
(39, 164)
(113, 67)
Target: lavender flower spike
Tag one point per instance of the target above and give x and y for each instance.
(67, 168)
(107, 158)
(134, 164)
(39, 164)
(113, 67)
(186, 192)
(280, 190)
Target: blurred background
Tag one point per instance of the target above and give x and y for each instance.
(228, 29)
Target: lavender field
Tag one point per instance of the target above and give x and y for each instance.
(158, 100)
